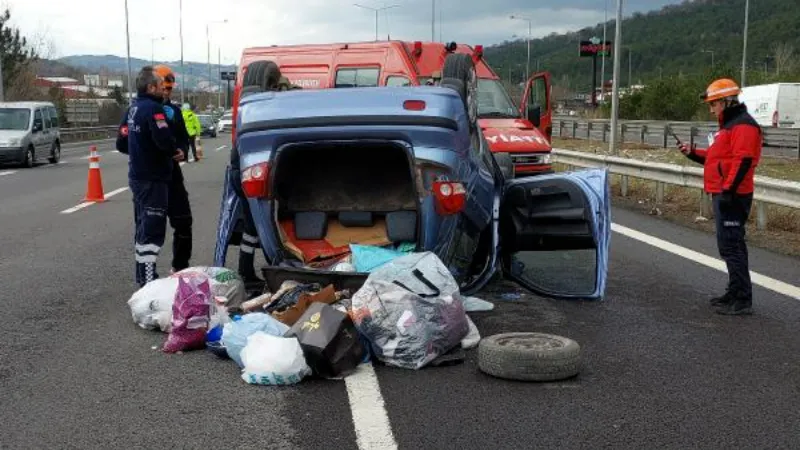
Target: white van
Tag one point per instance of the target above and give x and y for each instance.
(773, 105)
(29, 132)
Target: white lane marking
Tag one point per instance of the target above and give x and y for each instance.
(85, 204)
(7, 172)
(373, 431)
(221, 147)
(757, 278)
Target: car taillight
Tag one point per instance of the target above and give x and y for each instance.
(255, 180)
(450, 197)
(414, 105)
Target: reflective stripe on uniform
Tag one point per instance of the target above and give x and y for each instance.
(246, 248)
(141, 248)
(144, 259)
(250, 239)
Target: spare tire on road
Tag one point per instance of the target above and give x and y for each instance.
(529, 356)
(461, 67)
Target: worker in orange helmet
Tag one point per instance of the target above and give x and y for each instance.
(729, 165)
(179, 210)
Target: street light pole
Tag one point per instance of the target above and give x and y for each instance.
(612, 142)
(128, 42)
(376, 10)
(744, 49)
(433, 20)
(183, 77)
(208, 51)
(530, 26)
(603, 65)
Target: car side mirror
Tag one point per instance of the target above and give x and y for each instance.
(535, 115)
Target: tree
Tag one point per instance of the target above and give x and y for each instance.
(784, 57)
(18, 56)
(116, 94)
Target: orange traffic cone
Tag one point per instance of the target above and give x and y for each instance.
(94, 185)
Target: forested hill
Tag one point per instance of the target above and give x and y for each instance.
(670, 42)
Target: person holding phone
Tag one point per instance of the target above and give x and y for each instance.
(729, 165)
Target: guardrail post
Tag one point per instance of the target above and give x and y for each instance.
(604, 131)
(761, 215)
(643, 134)
(691, 137)
(624, 185)
(666, 133)
(659, 192)
(589, 130)
(798, 145)
(574, 129)
(622, 129)
(705, 204)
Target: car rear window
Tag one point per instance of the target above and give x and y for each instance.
(357, 77)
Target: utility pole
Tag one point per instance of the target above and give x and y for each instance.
(219, 77)
(612, 142)
(744, 50)
(183, 76)
(128, 41)
(530, 26)
(208, 52)
(433, 20)
(603, 65)
(2, 91)
(376, 10)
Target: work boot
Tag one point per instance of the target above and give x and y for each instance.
(741, 305)
(722, 300)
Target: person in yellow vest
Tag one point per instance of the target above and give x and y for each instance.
(193, 127)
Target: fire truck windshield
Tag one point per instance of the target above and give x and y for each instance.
(493, 100)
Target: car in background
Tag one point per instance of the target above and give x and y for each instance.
(29, 132)
(225, 123)
(410, 169)
(209, 126)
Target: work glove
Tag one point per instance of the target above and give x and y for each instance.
(686, 149)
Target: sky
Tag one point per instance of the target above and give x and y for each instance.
(72, 27)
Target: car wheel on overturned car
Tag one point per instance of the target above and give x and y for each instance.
(461, 67)
(529, 356)
(262, 74)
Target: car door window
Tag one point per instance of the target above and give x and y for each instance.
(45, 119)
(37, 117)
(357, 77)
(396, 80)
(53, 117)
(555, 231)
(538, 94)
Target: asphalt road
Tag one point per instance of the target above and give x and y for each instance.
(660, 369)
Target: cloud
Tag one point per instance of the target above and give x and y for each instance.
(98, 26)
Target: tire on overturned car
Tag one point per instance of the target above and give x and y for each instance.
(529, 356)
(260, 76)
(461, 67)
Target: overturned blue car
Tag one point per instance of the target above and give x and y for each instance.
(331, 173)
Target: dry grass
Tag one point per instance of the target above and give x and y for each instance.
(780, 168)
(683, 205)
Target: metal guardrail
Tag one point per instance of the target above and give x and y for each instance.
(780, 142)
(767, 190)
(87, 133)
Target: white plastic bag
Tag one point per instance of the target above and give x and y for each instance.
(235, 334)
(411, 311)
(472, 338)
(272, 360)
(151, 306)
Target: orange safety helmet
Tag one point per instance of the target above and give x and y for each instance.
(166, 74)
(719, 89)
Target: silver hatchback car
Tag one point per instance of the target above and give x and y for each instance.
(29, 132)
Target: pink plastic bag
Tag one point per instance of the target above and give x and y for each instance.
(190, 314)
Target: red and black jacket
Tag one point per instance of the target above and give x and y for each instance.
(729, 164)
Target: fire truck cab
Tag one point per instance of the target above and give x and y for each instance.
(518, 135)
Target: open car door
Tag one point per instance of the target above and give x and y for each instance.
(555, 232)
(536, 106)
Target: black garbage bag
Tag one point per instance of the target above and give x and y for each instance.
(329, 340)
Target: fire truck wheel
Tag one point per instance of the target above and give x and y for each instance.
(529, 356)
(461, 67)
